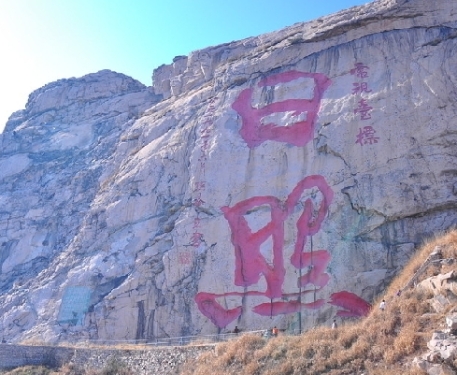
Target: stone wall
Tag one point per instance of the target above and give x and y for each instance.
(161, 361)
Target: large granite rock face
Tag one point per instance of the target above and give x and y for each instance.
(278, 180)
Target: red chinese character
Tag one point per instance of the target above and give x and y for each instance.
(254, 132)
(184, 258)
(196, 223)
(360, 87)
(204, 147)
(196, 239)
(363, 109)
(360, 70)
(199, 185)
(198, 201)
(205, 132)
(366, 136)
(251, 265)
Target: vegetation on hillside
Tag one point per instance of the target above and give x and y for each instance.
(384, 343)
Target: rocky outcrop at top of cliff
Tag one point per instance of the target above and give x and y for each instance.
(278, 180)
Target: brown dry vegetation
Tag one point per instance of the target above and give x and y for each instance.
(384, 343)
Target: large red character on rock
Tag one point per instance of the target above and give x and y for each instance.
(254, 132)
(251, 265)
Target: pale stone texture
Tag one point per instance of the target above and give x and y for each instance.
(161, 361)
(119, 188)
(443, 344)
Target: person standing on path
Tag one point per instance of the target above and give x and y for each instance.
(275, 331)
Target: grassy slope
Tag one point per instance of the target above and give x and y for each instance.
(384, 343)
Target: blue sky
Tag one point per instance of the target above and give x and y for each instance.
(46, 40)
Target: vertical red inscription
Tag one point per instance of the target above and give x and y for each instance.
(199, 186)
(363, 109)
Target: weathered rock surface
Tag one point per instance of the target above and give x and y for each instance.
(263, 182)
(443, 344)
(441, 355)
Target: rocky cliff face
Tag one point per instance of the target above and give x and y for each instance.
(278, 180)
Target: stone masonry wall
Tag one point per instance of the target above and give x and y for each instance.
(161, 361)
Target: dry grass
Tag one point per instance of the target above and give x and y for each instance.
(446, 242)
(384, 343)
